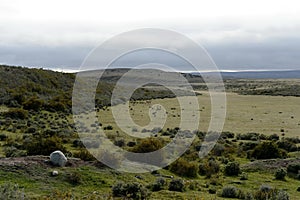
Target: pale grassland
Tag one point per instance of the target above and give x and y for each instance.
(261, 114)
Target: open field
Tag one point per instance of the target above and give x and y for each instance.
(245, 113)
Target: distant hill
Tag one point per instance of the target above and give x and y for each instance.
(284, 74)
(276, 74)
(32, 88)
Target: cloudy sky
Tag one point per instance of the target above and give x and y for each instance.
(237, 34)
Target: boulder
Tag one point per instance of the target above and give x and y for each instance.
(58, 158)
(54, 173)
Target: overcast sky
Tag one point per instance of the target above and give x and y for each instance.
(237, 34)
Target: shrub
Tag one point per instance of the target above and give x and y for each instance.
(274, 137)
(11, 191)
(56, 106)
(74, 178)
(78, 143)
(218, 149)
(244, 176)
(16, 113)
(61, 195)
(283, 195)
(146, 146)
(158, 184)
(14, 152)
(227, 134)
(131, 144)
(130, 191)
(44, 146)
(287, 145)
(293, 168)
(113, 159)
(109, 127)
(184, 168)
(248, 196)
(33, 103)
(280, 174)
(267, 150)
(230, 192)
(248, 145)
(176, 185)
(212, 190)
(267, 192)
(209, 168)
(248, 136)
(120, 142)
(84, 154)
(232, 169)
(3, 137)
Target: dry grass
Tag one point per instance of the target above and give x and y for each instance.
(261, 114)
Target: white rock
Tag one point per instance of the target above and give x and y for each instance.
(58, 158)
(54, 173)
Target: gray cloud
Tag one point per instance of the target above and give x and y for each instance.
(255, 42)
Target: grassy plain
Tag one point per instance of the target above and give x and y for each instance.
(244, 114)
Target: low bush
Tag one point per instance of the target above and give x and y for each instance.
(248, 196)
(287, 145)
(74, 178)
(109, 127)
(16, 113)
(208, 168)
(226, 135)
(84, 154)
(158, 184)
(244, 176)
(146, 146)
(212, 190)
(14, 152)
(176, 185)
(274, 137)
(230, 192)
(232, 169)
(267, 150)
(218, 149)
(33, 103)
(280, 174)
(185, 168)
(110, 158)
(119, 142)
(11, 191)
(43, 146)
(293, 168)
(248, 136)
(130, 191)
(3, 137)
(267, 192)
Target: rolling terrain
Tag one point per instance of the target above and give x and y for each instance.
(256, 156)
